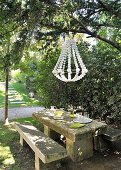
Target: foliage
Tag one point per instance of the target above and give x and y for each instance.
(99, 92)
(46, 20)
(52, 90)
(18, 77)
(2, 75)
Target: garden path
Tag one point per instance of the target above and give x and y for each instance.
(20, 112)
(13, 96)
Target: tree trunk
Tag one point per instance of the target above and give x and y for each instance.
(6, 98)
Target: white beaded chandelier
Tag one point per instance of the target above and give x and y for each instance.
(69, 67)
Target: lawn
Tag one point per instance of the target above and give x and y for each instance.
(2, 98)
(20, 88)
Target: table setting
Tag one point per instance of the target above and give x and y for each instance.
(77, 120)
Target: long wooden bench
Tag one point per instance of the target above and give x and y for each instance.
(112, 134)
(45, 148)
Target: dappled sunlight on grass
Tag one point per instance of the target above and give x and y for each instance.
(6, 157)
(7, 135)
(12, 156)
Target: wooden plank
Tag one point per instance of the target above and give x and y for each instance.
(21, 140)
(47, 149)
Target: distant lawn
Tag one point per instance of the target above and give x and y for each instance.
(2, 99)
(12, 156)
(2, 95)
(20, 88)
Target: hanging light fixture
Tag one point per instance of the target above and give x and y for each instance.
(69, 67)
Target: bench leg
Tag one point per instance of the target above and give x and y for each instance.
(100, 144)
(21, 140)
(37, 166)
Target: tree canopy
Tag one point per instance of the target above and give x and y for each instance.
(47, 19)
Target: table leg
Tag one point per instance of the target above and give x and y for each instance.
(100, 144)
(81, 149)
(51, 133)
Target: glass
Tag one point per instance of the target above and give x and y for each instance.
(86, 115)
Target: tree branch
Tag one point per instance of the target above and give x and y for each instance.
(62, 29)
(107, 25)
(116, 45)
(108, 9)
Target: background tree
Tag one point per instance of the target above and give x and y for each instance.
(10, 47)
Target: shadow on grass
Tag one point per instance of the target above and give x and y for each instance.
(12, 155)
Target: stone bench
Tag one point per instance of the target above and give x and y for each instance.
(44, 147)
(112, 134)
(108, 139)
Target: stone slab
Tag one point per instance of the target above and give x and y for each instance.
(11, 88)
(12, 93)
(14, 96)
(112, 134)
(15, 99)
(17, 102)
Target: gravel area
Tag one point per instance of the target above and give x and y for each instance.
(20, 112)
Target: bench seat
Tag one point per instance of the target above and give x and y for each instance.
(44, 147)
(112, 134)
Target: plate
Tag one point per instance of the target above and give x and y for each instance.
(82, 120)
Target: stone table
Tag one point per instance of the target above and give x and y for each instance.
(79, 142)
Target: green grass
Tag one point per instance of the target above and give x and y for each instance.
(20, 88)
(9, 144)
(2, 98)
(31, 121)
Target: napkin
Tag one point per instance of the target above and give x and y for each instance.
(77, 125)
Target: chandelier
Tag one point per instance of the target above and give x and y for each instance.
(69, 67)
